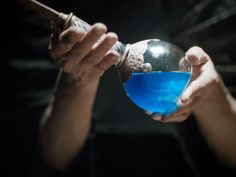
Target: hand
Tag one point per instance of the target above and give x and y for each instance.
(85, 56)
(204, 79)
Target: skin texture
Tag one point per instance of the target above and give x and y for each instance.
(211, 103)
(83, 60)
(85, 56)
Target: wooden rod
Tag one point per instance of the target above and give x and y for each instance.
(46, 11)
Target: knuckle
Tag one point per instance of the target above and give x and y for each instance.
(81, 74)
(66, 66)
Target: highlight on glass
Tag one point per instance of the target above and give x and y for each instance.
(158, 89)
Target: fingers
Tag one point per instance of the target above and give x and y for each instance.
(109, 60)
(156, 117)
(201, 69)
(196, 56)
(184, 109)
(180, 115)
(99, 56)
(65, 42)
(78, 52)
(176, 118)
(85, 55)
(204, 78)
(74, 43)
(172, 118)
(100, 50)
(193, 90)
(98, 70)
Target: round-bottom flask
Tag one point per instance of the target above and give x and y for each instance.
(154, 75)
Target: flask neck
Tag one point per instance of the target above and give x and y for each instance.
(123, 50)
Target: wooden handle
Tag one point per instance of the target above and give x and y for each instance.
(42, 9)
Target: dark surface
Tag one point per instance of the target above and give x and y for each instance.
(124, 141)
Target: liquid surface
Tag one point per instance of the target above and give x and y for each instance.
(157, 92)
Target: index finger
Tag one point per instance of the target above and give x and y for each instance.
(66, 41)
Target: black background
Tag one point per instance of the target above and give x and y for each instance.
(124, 141)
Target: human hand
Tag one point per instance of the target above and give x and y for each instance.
(85, 56)
(204, 79)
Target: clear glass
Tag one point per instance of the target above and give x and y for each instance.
(154, 73)
(157, 75)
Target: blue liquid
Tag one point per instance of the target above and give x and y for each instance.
(157, 92)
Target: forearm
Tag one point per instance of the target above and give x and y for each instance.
(216, 115)
(68, 125)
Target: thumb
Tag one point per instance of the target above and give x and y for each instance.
(196, 56)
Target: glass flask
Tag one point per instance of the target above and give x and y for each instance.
(154, 73)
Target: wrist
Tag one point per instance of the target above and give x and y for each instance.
(213, 99)
(68, 83)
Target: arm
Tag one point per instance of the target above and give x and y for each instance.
(216, 116)
(212, 104)
(84, 60)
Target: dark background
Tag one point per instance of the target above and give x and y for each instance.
(124, 141)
